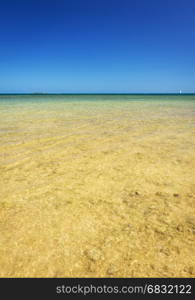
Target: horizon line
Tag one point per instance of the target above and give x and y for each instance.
(139, 93)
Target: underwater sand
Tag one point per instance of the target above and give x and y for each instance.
(97, 186)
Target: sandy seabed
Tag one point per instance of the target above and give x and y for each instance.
(97, 189)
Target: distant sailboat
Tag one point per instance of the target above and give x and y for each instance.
(180, 91)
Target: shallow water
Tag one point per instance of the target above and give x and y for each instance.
(97, 185)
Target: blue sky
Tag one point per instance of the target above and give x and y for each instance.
(97, 46)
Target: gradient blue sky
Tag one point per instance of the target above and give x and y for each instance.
(97, 46)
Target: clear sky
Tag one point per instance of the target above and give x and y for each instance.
(97, 46)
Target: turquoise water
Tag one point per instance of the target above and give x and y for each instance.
(35, 116)
(98, 97)
(14, 108)
(70, 106)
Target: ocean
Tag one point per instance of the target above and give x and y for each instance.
(97, 185)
